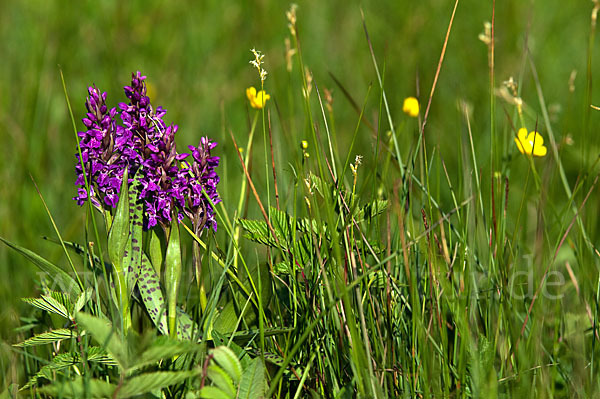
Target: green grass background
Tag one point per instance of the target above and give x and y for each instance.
(196, 55)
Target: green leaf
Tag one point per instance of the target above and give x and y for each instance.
(269, 357)
(173, 275)
(106, 335)
(133, 259)
(164, 348)
(281, 223)
(317, 183)
(371, 210)
(220, 339)
(307, 226)
(63, 299)
(257, 231)
(221, 380)
(185, 325)
(209, 392)
(58, 275)
(155, 251)
(152, 296)
(47, 338)
(79, 388)
(228, 361)
(81, 251)
(150, 381)
(377, 280)
(67, 360)
(226, 321)
(252, 385)
(10, 392)
(282, 268)
(49, 304)
(118, 237)
(83, 298)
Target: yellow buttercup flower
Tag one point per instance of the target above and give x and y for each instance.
(531, 143)
(411, 107)
(257, 100)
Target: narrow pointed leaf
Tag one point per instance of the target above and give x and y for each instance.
(118, 237)
(155, 251)
(173, 275)
(132, 261)
(58, 275)
(152, 296)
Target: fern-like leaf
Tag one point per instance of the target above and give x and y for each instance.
(47, 338)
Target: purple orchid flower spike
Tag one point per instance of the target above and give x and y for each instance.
(144, 144)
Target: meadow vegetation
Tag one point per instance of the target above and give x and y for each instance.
(391, 199)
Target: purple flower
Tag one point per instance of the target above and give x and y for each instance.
(196, 182)
(146, 146)
(102, 160)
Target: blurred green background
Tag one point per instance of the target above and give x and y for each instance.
(196, 55)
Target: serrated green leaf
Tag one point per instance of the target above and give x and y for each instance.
(377, 280)
(220, 339)
(228, 361)
(317, 183)
(281, 223)
(257, 231)
(48, 304)
(150, 381)
(118, 236)
(303, 249)
(164, 348)
(282, 268)
(210, 392)
(47, 337)
(221, 380)
(106, 335)
(58, 275)
(310, 226)
(79, 388)
(63, 299)
(253, 384)
(99, 355)
(371, 210)
(66, 360)
(83, 298)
